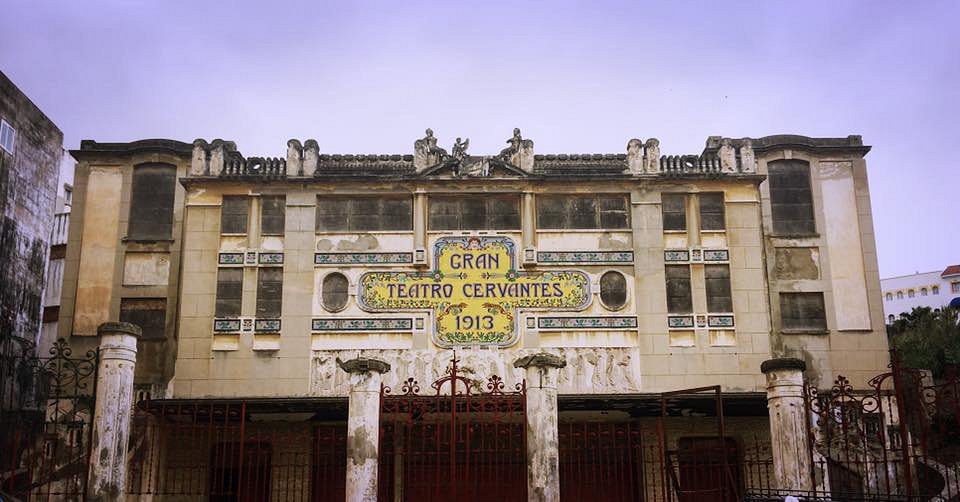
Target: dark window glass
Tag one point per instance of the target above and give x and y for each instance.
(151, 202)
(229, 292)
(613, 290)
(679, 298)
(674, 211)
(269, 291)
(362, 214)
(582, 211)
(233, 214)
(791, 200)
(272, 213)
(334, 291)
(475, 212)
(711, 211)
(803, 311)
(718, 288)
(148, 313)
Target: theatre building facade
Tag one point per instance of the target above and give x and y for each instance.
(454, 326)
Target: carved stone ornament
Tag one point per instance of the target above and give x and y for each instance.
(540, 360)
(363, 365)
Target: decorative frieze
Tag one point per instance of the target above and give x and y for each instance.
(680, 321)
(585, 257)
(587, 322)
(226, 325)
(720, 321)
(675, 255)
(266, 326)
(271, 258)
(362, 258)
(374, 324)
(230, 259)
(716, 255)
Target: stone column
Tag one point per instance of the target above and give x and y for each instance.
(363, 426)
(111, 415)
(789, 441)
(543, 452)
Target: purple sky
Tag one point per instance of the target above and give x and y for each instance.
(577, 77)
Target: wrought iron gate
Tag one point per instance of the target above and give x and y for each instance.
(465, 441)
(46, 415)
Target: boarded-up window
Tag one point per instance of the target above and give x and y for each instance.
(151, 202)
(229, 292)
(269, 292)
(718, 288)
(334, 291)
(679, 297)
(802, 311)
(582, 211)
(354, 214)
(674, 207)
(272, 214)
(791, 200)
(475, 212)
(233, 215)
(711, 211)
(613, 290)
(148, 313)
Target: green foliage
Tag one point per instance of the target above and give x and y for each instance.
(928, 339)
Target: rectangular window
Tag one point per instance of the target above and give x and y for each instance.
(151, 204)
(357, 214)
(679, 297)
(269, 292)
(791, 199)
(229, 292)
(717, 279)
(148, 313)
(8, 136)
(583, 211)
(955, 287)
(803, 311)
(233, 214)
(272, 212)
(475, 212)
(711, 211)
(674, 207)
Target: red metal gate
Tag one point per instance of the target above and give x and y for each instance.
(601, 461)
(465, 441)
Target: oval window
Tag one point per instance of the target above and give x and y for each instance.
(334, 291)
(613, 290)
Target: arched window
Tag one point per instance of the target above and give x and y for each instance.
(911, 293)
(889, 297)
(899, 295)
(334, 291)
(151, 202)
(613, 290)
(936, 290)
(890, 319)
(923, 291)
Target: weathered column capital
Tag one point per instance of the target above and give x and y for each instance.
(119, 328)
(783, 363)
(540, 360)
(363, 365)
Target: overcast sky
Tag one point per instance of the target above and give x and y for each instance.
(577, 77)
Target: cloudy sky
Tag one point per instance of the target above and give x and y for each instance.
(577, 77)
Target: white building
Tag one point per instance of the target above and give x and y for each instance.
(929, 289)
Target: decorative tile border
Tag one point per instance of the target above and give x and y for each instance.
(587, 322)
(679, 321)
(716, 255)
(585, 257)
(368, 324)
(266, 326)
(720, 321)
(226, 325)
(271, 258)
(230, 259)
(362, 258)
(672, 255)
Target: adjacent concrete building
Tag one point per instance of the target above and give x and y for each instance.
(290, 293)
(928, 289)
